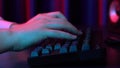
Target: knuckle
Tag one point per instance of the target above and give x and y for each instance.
(57, 13)
(62, 21)
(39, 14)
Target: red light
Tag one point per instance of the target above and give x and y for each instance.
(114, 17)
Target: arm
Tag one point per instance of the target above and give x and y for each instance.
(7, 40)
(5, 35)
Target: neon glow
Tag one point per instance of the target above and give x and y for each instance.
(113, 15)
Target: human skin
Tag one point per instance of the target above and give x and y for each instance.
(42, 26)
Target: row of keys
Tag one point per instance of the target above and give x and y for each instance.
(66, 47)
(56, 49)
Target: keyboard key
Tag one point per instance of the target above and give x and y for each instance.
(85, 47)
(49, 47)
(73, 48)
(86, 44)
(63, 50)
(45, 52)
(57, 47)
(34, 53)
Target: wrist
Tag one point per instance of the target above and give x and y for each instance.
(12, 25)
(6, 24)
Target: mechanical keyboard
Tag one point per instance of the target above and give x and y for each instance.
(79, 52)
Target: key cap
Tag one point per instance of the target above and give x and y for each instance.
(34, 53)
(73, 47)
(49, 47)
(85, 47)
(86, 44)
(45, 52)
(57, 46)
(63, 50)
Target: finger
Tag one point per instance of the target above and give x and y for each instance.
(60, 34)
(64, 26)
(56, 15)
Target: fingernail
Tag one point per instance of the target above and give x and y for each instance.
(74, 37)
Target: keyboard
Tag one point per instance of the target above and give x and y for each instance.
(79, 52)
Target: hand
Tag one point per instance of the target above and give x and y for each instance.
(42, 26)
